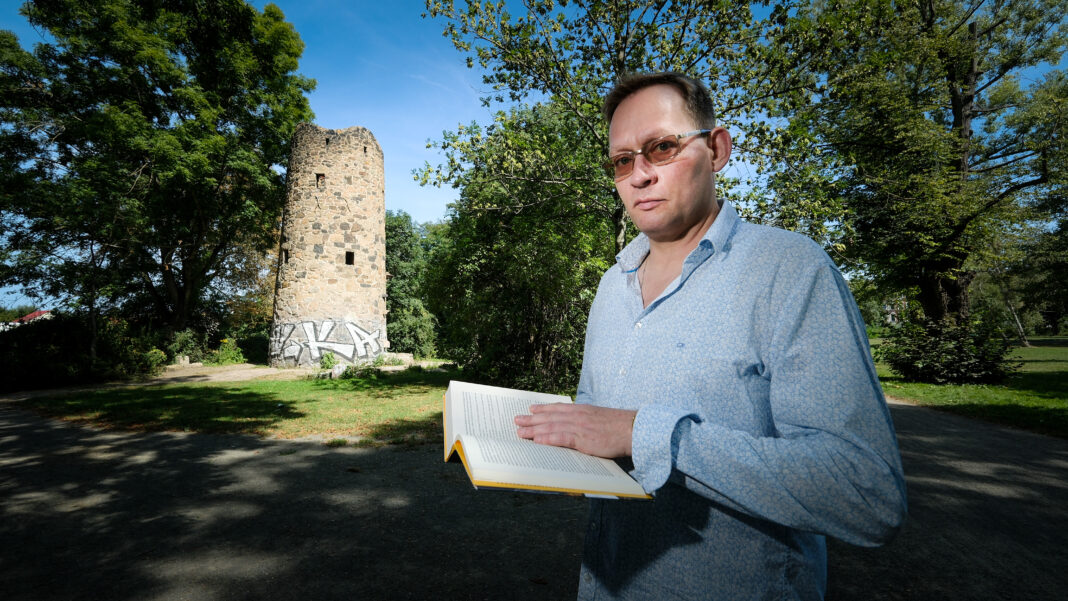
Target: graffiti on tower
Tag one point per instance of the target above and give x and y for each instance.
(305, 342)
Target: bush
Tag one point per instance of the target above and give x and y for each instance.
(255, 347)
(228, 353)
(327, 361)
(946, 352)
(55, 352)
(189, 343)
(153, 361)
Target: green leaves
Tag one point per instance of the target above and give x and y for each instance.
(143, 141)
(934, 142)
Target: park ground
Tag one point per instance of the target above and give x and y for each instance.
(128, 512)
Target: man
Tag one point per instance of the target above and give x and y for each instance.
(729, 362)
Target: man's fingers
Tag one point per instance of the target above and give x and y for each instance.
(553, 408)
(556, 439)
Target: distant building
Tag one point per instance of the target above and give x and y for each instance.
(25, 319)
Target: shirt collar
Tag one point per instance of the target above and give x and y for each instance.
(715, 239)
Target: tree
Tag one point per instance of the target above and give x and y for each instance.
(513, 280)
(409, 324)
(532, 190)
(934, 143)
(138, 148)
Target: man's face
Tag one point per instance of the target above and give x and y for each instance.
(666, 202)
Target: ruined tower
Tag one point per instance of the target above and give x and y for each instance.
(331, 289)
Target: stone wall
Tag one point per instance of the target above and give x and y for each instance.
(331, 288)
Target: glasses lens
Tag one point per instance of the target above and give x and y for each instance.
(621, 165)
(661, 150)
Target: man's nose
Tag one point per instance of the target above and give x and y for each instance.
(644, 172)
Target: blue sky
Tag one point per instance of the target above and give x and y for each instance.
(379, 65)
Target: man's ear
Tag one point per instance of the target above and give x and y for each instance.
(719, 140)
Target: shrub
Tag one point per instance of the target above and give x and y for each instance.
(362, 371)
(228, 353)
(946, 352)
(327, 360)
(153, 361)
(189, 343)
(55, 352)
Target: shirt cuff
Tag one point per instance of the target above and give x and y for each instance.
(655, 443)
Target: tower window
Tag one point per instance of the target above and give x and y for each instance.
(320, 180)
(350, 257)
(285, 256)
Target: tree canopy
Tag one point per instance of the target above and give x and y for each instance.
(409, 325)
(532, 192)
(138, 148)
(939, 143)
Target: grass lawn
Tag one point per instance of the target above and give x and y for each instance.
(405, 407)
(1034, 398)
(387, 408)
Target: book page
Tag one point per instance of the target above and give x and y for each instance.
(490, 415)
(479, 423)
(524, 464)
(488, 410)
(528, 454)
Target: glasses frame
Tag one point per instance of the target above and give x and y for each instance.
(646, 148)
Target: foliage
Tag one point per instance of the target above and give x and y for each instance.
(137, 149)
(925, 128)
(327, 360)
(228, 353)
(14, 313)
(410, 325)
(1039, 277)
(48, 353)
(514, 280)
(188, 343)
(947, 352)
(538, 220)
(1035, 398)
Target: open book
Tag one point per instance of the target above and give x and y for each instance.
(480, 428)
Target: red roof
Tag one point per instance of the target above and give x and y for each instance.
(31, 316)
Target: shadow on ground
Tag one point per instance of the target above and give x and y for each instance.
(89, 514)
(114, 515)
(215, 409)
(987, 517)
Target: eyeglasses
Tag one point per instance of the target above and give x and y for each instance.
(658, 152)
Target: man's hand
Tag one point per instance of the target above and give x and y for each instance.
(599, 431)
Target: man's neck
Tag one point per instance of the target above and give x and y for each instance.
(672, 252)
(664, 261)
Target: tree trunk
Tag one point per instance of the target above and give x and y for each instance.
(619, 224)
(943, 297)
(1019, 326)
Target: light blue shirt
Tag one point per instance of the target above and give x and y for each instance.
(761, 424)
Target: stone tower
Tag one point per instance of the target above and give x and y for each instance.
(331, 289)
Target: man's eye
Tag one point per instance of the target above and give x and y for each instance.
(622, 161)
(663, 147)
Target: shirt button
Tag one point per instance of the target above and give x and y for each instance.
(638, 326)
(622, 371)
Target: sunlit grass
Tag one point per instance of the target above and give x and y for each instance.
(1035, 398)
(392, 407)
(405, 406)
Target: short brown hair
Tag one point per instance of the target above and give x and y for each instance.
(694, 95)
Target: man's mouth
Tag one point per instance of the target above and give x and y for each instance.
(646, 204)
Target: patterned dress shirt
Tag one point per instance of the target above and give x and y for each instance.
(761, 424)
